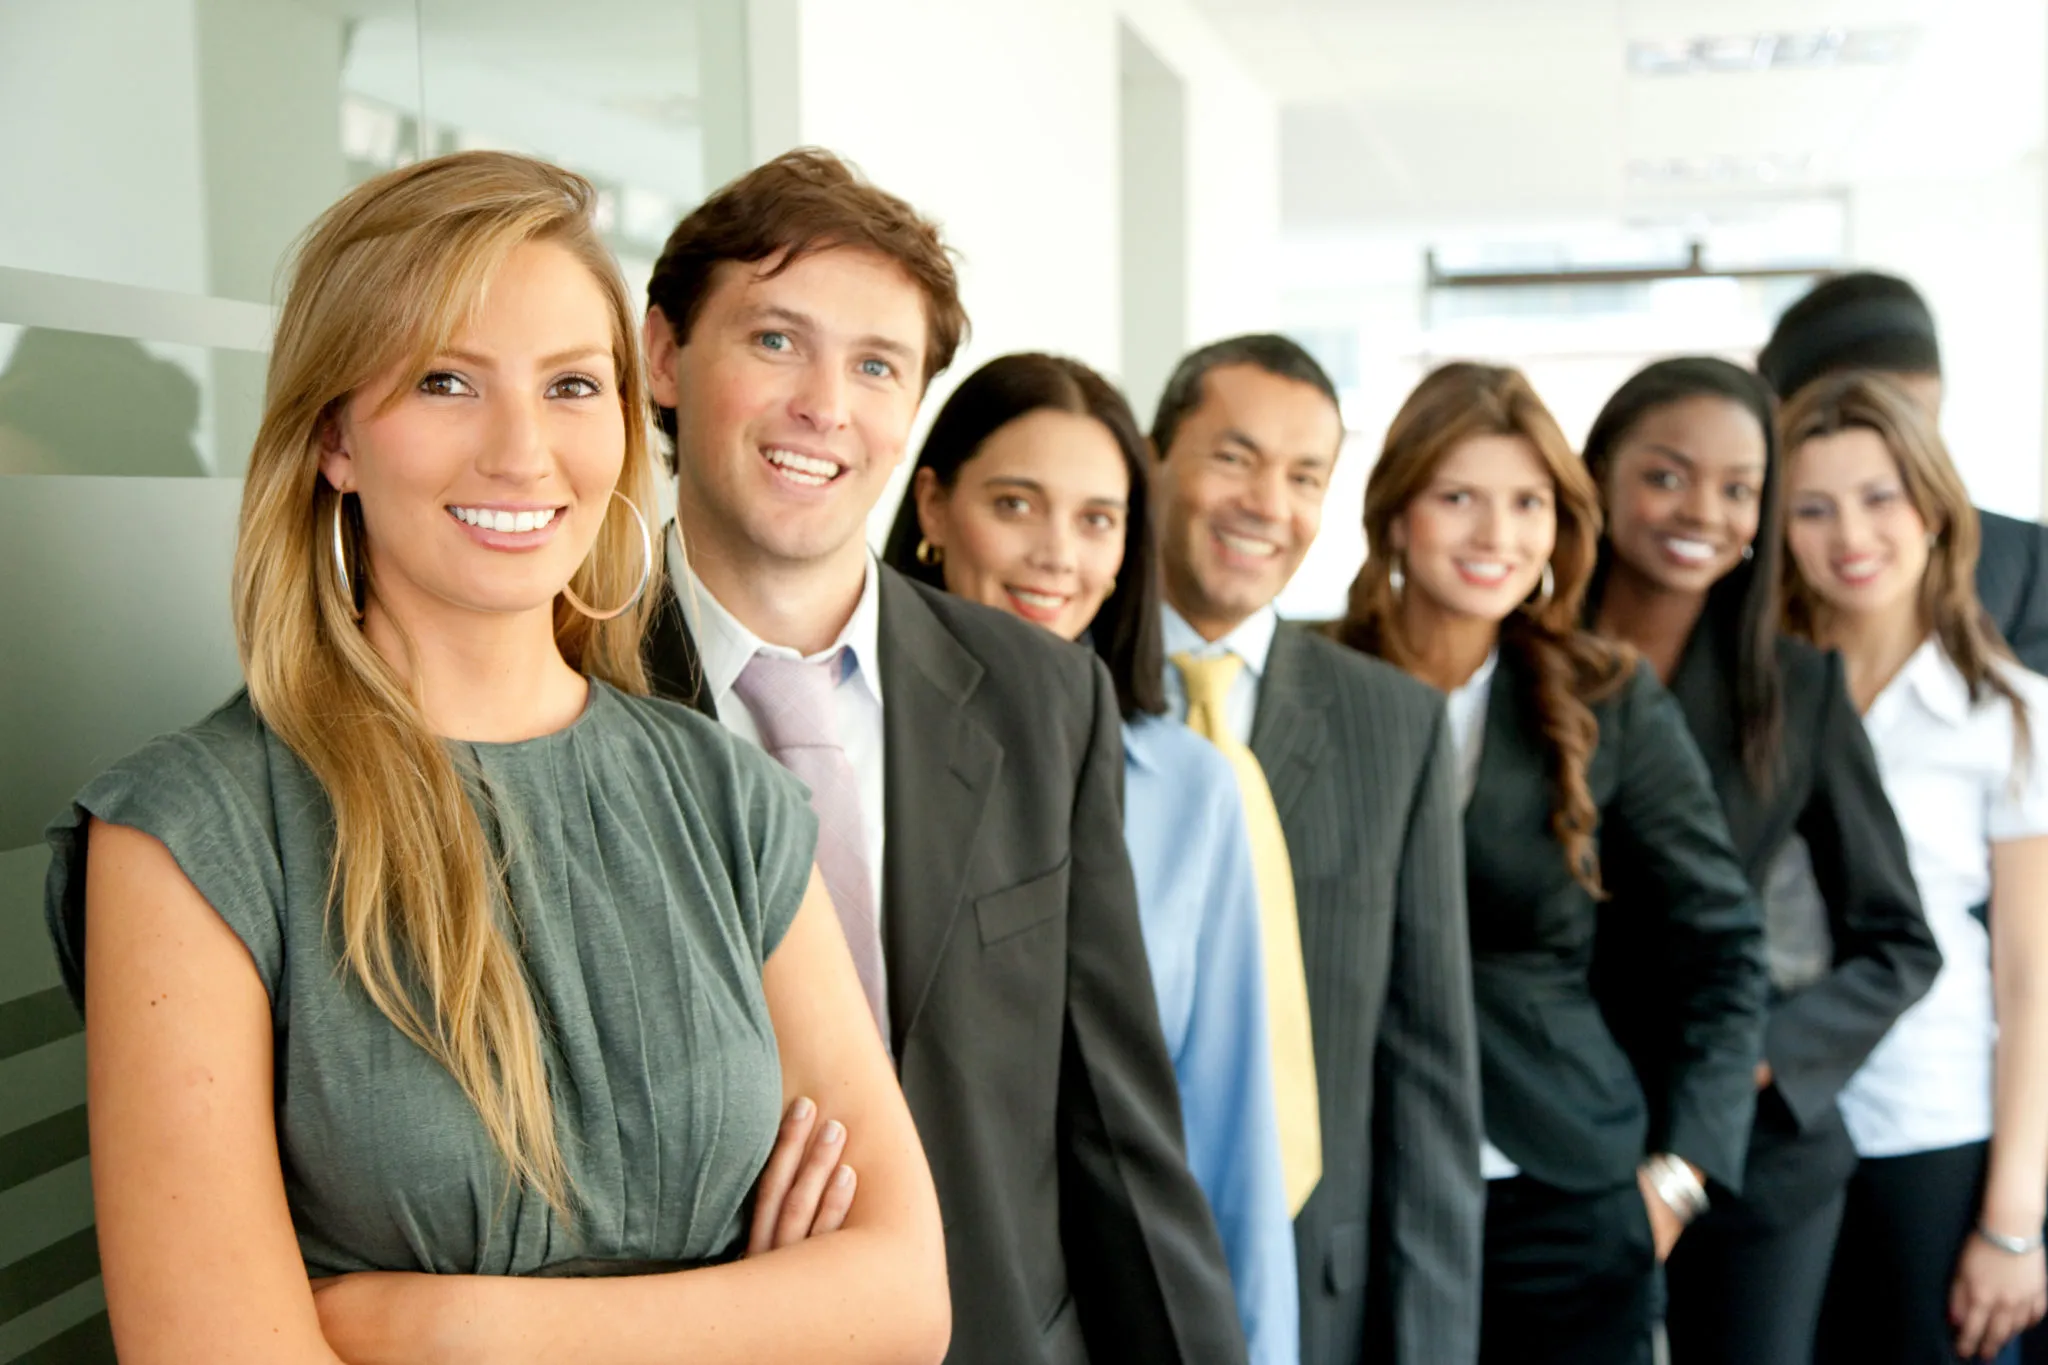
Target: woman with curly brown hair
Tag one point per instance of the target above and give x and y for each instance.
(1581, 784)
(1940, 1253)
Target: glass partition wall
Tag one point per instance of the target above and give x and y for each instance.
(160, 157)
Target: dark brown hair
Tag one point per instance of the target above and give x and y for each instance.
(804, 201)
(1865, 400)
(1572, 667)
(1126, 631)
(1743, 607)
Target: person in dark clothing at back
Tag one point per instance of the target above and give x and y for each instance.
(1869, 321)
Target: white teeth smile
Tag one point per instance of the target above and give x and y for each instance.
(485, 519)
(1044, 600)
(1483, 570)
(1696, 551)
(804, 469)
(1255, 549)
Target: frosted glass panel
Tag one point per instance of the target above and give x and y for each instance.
(116, 618)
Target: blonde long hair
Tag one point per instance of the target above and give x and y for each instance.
(389, 275)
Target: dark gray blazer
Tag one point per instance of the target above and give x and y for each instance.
(1563, 1101)
(1020, 998)
(1357, 754)
(1828, 791)
(2012, 582)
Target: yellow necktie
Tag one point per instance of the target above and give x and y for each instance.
(1287, 1022)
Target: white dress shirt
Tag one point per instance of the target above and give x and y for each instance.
(1950, 769)
(1465, 710)
(1252, 642)
(725, 647)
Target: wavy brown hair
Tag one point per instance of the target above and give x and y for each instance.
(1864, 399)
(1572, 668)
(385, 280)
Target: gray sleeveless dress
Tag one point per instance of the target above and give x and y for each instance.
(657, 864)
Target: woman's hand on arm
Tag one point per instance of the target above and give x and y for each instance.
(196, 1242)
(1997, 1293)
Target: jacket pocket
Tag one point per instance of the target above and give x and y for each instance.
(1013, 910)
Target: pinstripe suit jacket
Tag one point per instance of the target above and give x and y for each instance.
(1358, 757)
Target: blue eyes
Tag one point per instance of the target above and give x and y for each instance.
(781, 343)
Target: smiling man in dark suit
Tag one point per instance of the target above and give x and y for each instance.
(966, 768)
(1361, 777)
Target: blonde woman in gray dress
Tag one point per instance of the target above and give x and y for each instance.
(445, 992)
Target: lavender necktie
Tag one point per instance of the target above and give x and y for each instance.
(793, 707)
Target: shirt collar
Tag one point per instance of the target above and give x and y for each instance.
(1141, 745)
(725, 646)
(1251, 641)
(1934, 682)
(1481, 680)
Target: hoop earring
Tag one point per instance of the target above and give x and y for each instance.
(348, 589)
(1397, 579)
(930, 555)
(1545, 589)
(646, 569)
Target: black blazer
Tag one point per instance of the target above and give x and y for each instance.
(1828, 791)
(1026, 1034)
(1563, 1101)
(1357, 756)
(2012, 582)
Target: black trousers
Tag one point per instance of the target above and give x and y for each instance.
(1570, 1279)
(1741, 1293)
(1902, 1230)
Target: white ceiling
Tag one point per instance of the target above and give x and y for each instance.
(1399, 110)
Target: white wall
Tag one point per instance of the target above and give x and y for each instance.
(1233, 175)
(1001, 122)
(1976, 249)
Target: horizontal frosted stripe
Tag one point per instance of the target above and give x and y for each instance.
(42, 1275)
(70, 1329)
(31, 298)
(117, 624)
(42, 1212)
(44, 1082)
(27, 964)
(35, 1021)
(28, 1154)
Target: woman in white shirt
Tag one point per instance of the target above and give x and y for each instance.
(1940, 1253)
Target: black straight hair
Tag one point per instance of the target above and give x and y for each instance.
(1743, 607)
(1275, 354)
(1126, 631)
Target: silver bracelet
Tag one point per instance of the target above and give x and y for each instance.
(1676, 1185)
(2012, 1246)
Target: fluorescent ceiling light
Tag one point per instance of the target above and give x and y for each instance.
(1719, 54)
(1694, 171)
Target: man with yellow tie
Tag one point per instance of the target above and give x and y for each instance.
(1351, 803)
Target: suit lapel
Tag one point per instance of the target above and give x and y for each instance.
(671, 654)
(941, 765)
(1288, 729)
(1514, 769)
